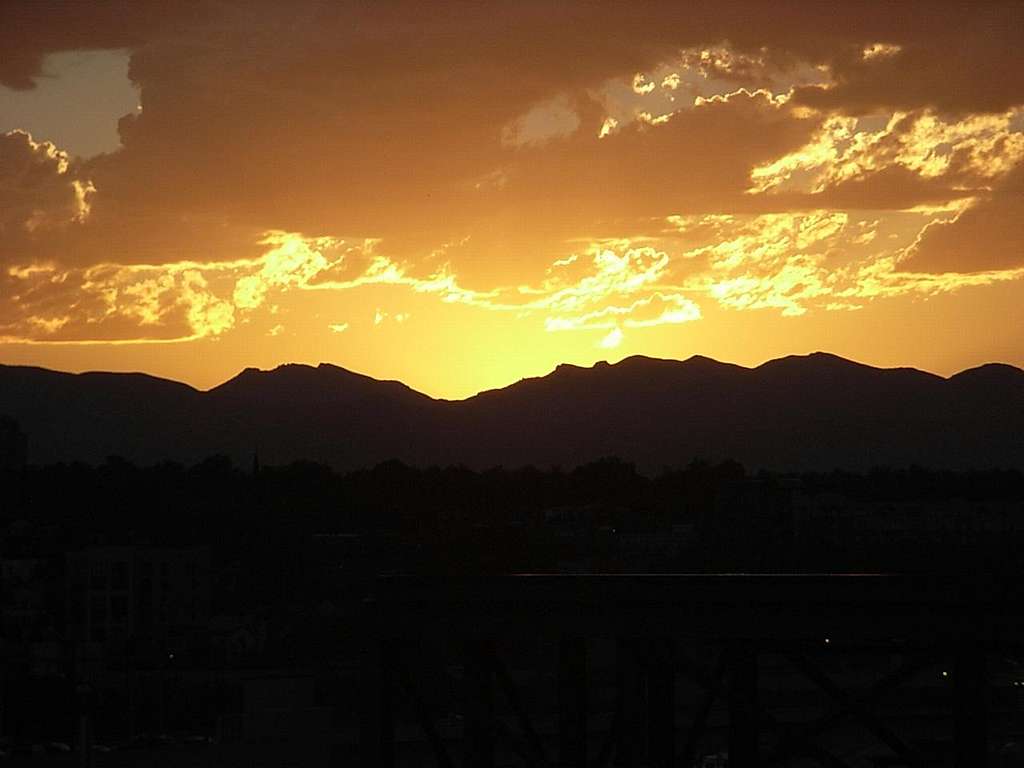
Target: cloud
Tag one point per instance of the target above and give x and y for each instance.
(884, 278)
(207, 315)
(612, 339)
(113, 304)
(798, 263)
(182, 300)
(792, 263)
(657, 309)
(607, 127)
(292, 261)
(987, 236)
(910, 158)
(957, 59)
(29, 30)
(880, 51)
(695, 160)
(299, 117)
(543, 122)
(772, 261)
(300, 120)
(332, 147)
(39, 188)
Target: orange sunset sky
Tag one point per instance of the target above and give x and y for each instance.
(461, 194)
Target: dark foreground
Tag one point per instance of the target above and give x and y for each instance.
(210, 615)
(664, 670)
(638, 670)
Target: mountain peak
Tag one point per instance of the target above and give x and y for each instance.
(700, 360)
(300, 380)
(813, 360)
(990, 373)
(567, 368)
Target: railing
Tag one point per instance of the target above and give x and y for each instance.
(708, 635)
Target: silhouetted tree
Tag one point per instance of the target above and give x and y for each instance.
(13, 445)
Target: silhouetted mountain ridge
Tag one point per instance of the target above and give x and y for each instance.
(324, 380)
(815, 411)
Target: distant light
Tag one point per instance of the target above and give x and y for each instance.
(171, 656)
(945, 673)
(827, 641)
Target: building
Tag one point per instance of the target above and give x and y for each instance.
(132, 599)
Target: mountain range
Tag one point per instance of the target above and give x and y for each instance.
(817, 411)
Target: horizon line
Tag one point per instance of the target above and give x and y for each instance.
(563, 365)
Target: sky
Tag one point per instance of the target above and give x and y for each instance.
(458, 195)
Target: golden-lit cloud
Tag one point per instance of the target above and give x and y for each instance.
(969, 152)
(195, 300)
(794, 263)
(611, 340)
(39, 188)
(880, 51)
(112, 303)
(771, 261)
(885, 279)
(291, 261)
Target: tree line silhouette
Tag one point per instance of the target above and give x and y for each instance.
(452, 520)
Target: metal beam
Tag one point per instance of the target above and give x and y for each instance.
(856, 709)
(661, 703)
(508, 687)
(629, 673)
(711, 686)
(377, 729)
(423, 714)
(808, 749)
(572, 702)
(970, 705)
(612, 737)
(743, 706)
(479, 737)
(797, 736)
